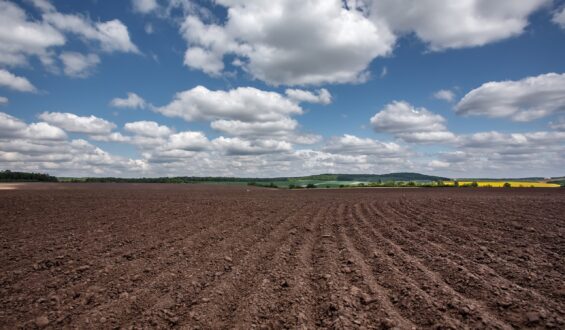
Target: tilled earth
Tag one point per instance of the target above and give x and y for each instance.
(206, 256)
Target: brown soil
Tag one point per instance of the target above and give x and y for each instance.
(204, 256)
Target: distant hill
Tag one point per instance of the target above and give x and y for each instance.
(400, 176)
(557, 180)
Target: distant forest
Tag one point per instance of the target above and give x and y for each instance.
(9, 176)
(176, 179)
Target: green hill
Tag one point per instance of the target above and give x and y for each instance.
(400, 176)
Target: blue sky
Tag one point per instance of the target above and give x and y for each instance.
(289, 87)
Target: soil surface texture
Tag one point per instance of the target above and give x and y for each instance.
(107, 256)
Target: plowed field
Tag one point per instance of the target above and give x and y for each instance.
(205, 256)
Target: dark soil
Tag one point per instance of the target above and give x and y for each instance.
(206, 256)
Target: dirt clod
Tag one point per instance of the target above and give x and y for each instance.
(42, 321)
(533, 317)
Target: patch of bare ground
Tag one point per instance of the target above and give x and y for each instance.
(208, 256)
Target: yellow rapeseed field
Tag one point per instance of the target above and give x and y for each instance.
(500, 184)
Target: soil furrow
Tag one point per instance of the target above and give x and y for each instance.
(94, 256)
(473, 281)
(466, 310)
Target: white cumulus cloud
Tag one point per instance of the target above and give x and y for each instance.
(17, 83)
(411, 124)
(77, 124)
(244, 103)
(13, 128)
(238, 127)
(189, 141)
(282, 42)
(444, 24)
(148, 128)
(351, 144)
(321, 96)
(78, 65)
(112, 36)
(238, 146)
(21, 37)
(520, 100)
(244, 112)
(132, 101)
(445, 95)
(144, 6)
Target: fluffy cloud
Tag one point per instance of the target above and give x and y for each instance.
(43, 5)
(112, 36)
(522, 100)
(21, 37)
(78, 65)
(11, 81)
(428, 137)
(237, 146)
(244, 112)
(3, 100)
(350, 144)
(316, 161)
(263, 37)
(411, 124)
(514, 143)
(559, 17)
(189, 141)
(241, 128)
(455, 24)
(485, 153)
(144, 6)
(148, 128)
(205, 60)
(321, 96)
(281, 43)
(65, 158)
(283, 129)
(132, 101)
(111, 137)
(76, 124)
(246, 104)
(438, 164)
(444, 95)
(11, 127)
(44, 147)
(44, 131)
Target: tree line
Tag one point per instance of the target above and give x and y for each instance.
(9, 176)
